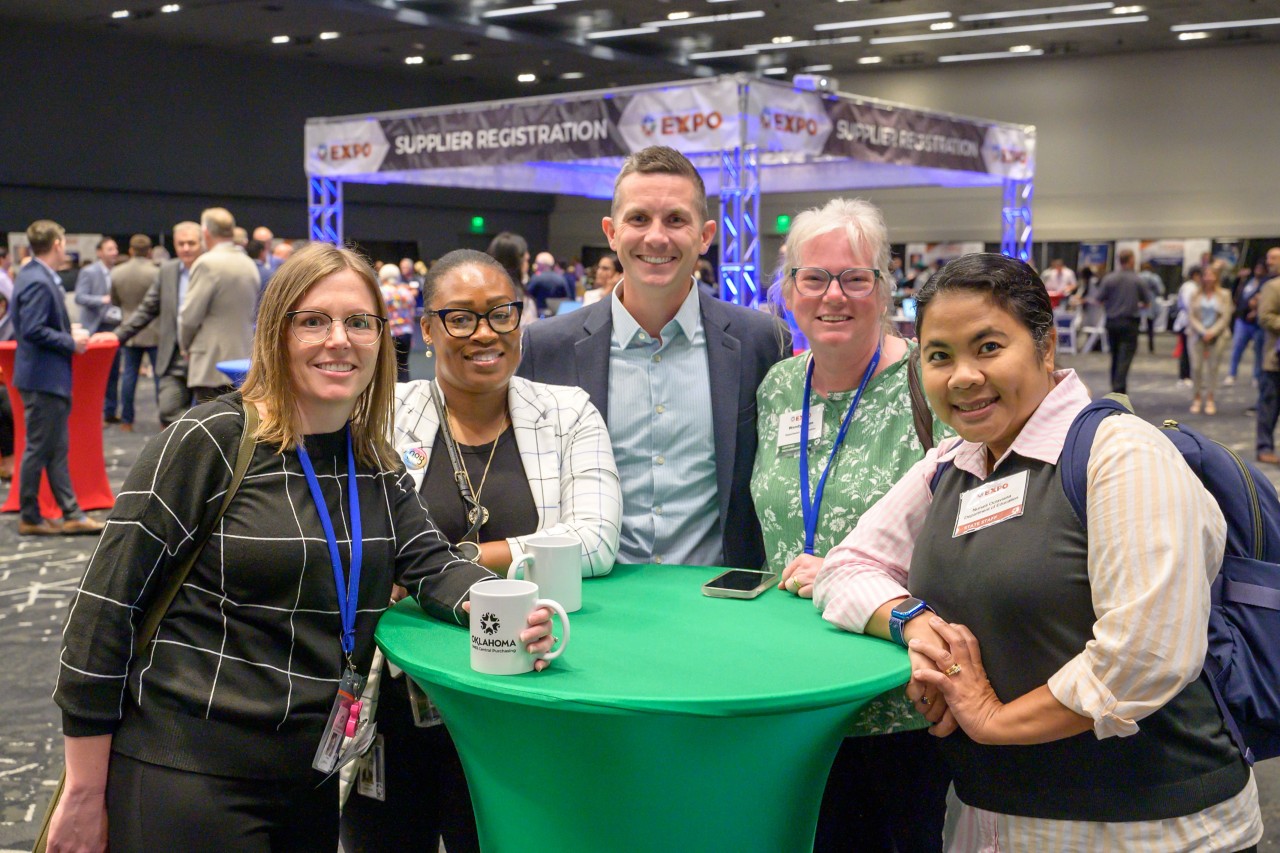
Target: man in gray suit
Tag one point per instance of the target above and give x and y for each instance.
(158, 311)
(130, 283)
(97, 314)
(673, 371)
(215, 322)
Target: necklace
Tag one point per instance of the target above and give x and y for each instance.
(479, 512)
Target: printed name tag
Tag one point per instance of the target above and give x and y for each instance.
(991, 503)
(789, 426)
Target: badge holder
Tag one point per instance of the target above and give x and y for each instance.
(344, 721)
(425, 712)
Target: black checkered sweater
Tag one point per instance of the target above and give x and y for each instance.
(243, 670)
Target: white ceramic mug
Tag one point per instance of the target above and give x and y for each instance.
(554, 563)
(499, 612)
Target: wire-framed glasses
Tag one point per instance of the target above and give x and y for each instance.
(463, 322)
(855, 282)
(314, 327)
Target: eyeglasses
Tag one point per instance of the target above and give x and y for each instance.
(855, 282)
(463, 322)
(314, 327)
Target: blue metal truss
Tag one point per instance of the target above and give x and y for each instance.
(324, 209)
(739, 223)
(1015, 238)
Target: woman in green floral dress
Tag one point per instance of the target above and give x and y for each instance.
(887, 789)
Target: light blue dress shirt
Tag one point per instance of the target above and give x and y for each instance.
(663, 440)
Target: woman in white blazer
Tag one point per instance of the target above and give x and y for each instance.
(496, 459)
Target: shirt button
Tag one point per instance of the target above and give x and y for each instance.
(661, 408)
(657, 358)
(658, 559)
(657, 510)
(642, 336)
(660, 460)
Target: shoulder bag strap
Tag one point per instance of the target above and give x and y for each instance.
(161, 605)
(920, 412)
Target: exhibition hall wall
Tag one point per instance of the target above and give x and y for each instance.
(1179, 143)
(117, 135)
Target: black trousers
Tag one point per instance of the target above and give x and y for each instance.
(48, 442)
(1268, 409)
(150, 807)
(6, 422)
(1123, 337)
(427, 796)
(885, 793)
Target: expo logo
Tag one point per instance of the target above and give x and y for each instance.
(771, 119)
(345, 151)
(991, 491)
(689, 123)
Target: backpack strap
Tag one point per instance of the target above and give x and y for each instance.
(921, 415)
(1074, 461)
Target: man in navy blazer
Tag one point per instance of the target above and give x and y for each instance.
(42, 375)
(674, 372)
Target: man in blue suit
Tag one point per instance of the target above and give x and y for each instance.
(42, 375)
(98, 314)
(673, 371)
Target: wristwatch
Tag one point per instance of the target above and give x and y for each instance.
(903, 612)
(469, 550)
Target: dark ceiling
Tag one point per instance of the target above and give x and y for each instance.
(464, 42)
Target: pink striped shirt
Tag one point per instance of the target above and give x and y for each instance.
(1156, 542)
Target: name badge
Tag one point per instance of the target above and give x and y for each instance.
(991, 503)
(789, 426)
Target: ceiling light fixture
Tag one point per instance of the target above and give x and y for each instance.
(413, 60)
(814, 69)
(1048, 10)
(969, 57)
(120, 13)
(679, 16)
(1225, 25)
(721, 54)
(1020, 48)
(462, 57)
(1192, 36)
(777, 69)
(706, 19)
(169, 8)
(1026, 28)
(329, 36)
(869, 60)
(280, 39)
(883, 22)
(572, 75)
(527, 78)
(1128, 10)
(802, 43)
(943, 25)
(518, 10)
(614, 34)
(783, 39)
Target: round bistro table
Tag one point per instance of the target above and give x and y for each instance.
(673, 721)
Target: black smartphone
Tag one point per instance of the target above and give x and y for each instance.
(739, 583)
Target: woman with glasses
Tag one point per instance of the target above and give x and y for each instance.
(212, 738)
(526, 458)
(850, 397)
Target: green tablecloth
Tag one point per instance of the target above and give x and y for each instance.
(672, 719)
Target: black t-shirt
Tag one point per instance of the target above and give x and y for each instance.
(505, 494)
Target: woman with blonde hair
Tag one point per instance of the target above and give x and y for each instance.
(1208, 330)
(212, 738)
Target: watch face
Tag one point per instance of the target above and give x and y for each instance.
(907, 606)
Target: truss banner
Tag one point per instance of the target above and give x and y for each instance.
(700, 117)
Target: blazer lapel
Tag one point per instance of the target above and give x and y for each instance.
(416, 427)
(724, 364)
(591, 354)
(535, 433)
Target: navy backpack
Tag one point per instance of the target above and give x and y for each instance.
(1243, 660)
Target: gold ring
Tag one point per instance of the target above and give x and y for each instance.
(798, 585)
(954, 669)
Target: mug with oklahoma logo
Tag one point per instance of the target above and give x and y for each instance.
(499, 612)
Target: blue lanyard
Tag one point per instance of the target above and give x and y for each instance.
(810, 507)
(348, 596)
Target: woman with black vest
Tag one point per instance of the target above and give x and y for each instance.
(1070, 661)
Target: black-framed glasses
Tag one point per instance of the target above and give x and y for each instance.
(463, 322)
(314, 327)
(855, 282)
